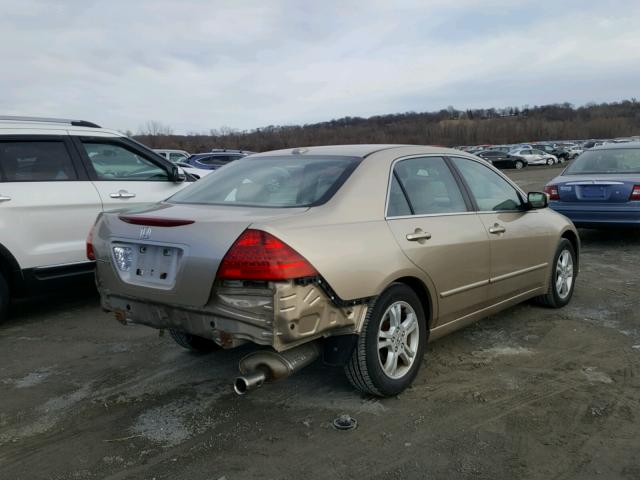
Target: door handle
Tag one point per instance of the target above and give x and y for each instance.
(4, 199)
(418, 235)
(122, 194)
(497, 229)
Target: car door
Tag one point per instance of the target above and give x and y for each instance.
(520, 238)
(47, 203)
(431, 220)
(124, 174)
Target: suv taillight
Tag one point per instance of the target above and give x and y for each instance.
(552, 192)
(90, 253)
(635, 193)
(258, 255)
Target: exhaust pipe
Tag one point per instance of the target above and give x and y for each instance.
(268, 366)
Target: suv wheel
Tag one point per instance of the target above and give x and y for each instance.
(563, 277)
(4, 298)
(193, 342)
(391, 345)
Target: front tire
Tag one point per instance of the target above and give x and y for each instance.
(4, 298)
(550, 161)
(519, 165)
(563, 277)
(391, 345)
(193, 342)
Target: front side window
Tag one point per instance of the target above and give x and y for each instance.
(291, 181)
(430, 186)
(33, 161)
(116, 162)
(490, 190)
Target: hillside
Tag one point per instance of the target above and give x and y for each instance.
(446, 127)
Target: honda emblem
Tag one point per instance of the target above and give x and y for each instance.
(145, 233)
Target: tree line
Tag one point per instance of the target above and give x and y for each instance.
(447, 127)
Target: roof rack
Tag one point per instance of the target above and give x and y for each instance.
(75, 123)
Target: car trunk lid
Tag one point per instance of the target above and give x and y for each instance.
(607, 190)
(170, 253)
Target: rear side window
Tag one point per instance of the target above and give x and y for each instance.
(32, 161)
(430, 186)
(291, 181)
(398, 205)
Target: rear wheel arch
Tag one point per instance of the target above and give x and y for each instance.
(423, 293)
(9, 268)
(575, 242)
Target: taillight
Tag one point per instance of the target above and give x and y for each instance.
(90, 253)
(258, 255)
(635, 193)
(552, 192)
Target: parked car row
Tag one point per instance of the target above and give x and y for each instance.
(538, 153)
(201, 164)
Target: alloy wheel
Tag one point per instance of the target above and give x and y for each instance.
(398, 339)
(564, 274)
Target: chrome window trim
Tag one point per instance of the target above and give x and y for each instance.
(443, 156)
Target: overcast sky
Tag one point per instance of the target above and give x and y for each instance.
(197, 65)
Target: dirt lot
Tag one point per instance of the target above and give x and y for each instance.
(530, 393)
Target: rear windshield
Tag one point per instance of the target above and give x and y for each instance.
(291, 181)
(620, 160)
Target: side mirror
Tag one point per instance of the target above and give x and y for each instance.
(176, 174)
(537, 200)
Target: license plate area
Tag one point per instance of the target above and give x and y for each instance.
(146, 264)
(593, 191)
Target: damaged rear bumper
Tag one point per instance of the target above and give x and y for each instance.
(278, 314)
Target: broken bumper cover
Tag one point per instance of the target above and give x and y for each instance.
(281, 314)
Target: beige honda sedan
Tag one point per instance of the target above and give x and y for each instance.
(358, 254)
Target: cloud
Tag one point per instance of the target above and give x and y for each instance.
(197, 64)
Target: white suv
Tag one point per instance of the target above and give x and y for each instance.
(56, 176)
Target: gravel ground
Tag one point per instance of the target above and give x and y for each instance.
(530, 393)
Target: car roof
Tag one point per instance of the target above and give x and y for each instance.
(358, 150)
(51, 126)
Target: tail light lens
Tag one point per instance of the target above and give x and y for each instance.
(258, 255)
(552, 192)
(635, 193)
(90, 253)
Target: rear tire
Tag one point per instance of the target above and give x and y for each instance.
(4, 298)
(193, 342)
(397, 320)
(519, 165)
(562, 271)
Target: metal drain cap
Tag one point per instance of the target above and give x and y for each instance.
(345, 422)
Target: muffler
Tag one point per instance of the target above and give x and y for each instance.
(268, 366)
